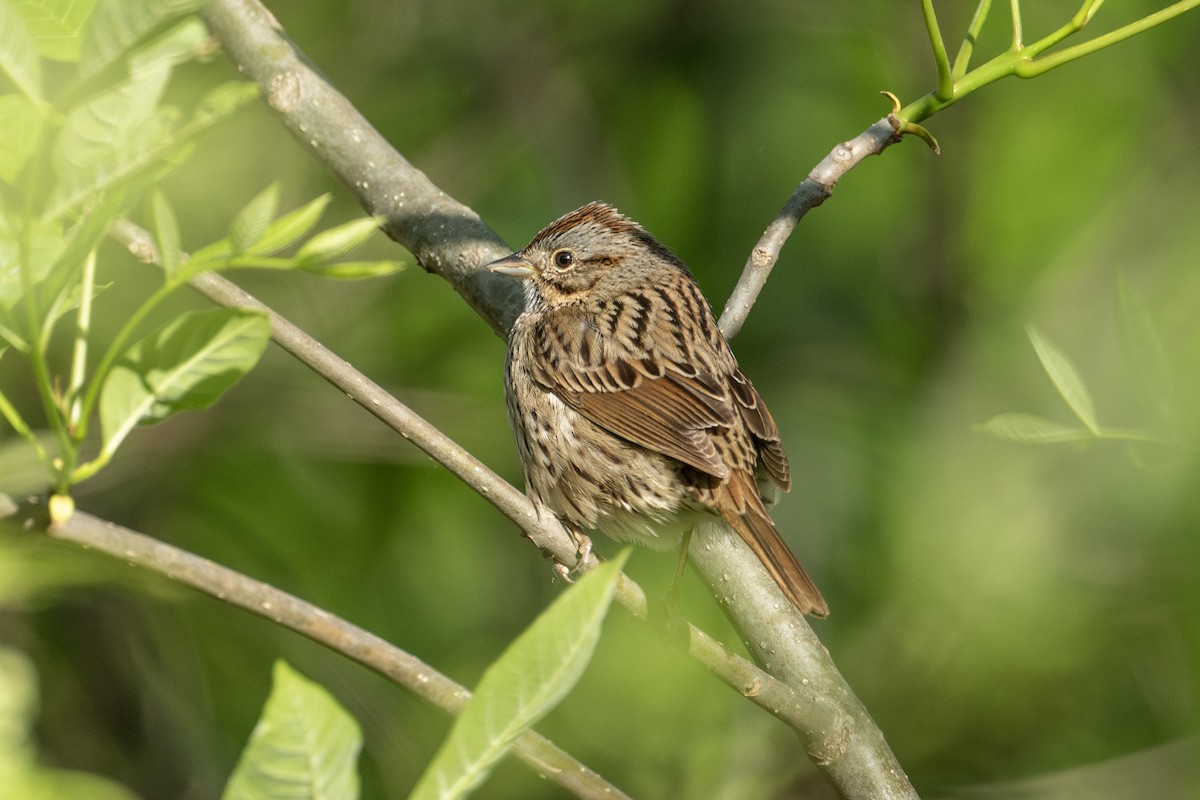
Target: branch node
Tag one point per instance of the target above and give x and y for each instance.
(903, 127)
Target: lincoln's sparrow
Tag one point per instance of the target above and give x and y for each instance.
(630, 411)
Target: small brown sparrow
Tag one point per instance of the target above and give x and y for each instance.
(629, 409)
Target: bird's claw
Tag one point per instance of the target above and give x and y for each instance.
(583, 551)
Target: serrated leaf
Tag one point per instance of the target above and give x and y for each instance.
(153, 153)
(56, 25)
(337, 241)
(18, 54)
(305, 745)
(166, 234)
(1143, 351)
(20, 126)
(109, 137)
(251, 222)
(186, 364)
(1065, 377)
(354, 270)
(117, 25)
(1032, 429)
(290, 227)
(531, 677)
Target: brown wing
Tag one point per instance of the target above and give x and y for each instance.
(758, 419)
(667, 414)
(672, 402)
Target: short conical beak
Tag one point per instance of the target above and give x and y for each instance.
(513, 266)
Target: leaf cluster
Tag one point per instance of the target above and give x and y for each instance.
(76, 155)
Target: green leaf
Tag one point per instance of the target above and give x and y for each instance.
(354, 270)
(116, 25)
(531, 677)
(20, 126)
(56, 25)
(166, 234)
(290, 227)
(251, 222)
(278, 235)
(334, 242)
(108, 164)
(1143, 351)
(186, 364)
(1066, 379)
(18, 54)
(305, 745)
(109, 137)
(1032, 429)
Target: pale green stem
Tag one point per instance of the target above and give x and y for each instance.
(963, 59)
(90, 468)
(114, 351)
(1026, 64)
(14, 339)
(1017, 32)
(945, 83)
(19, 425)
(83, 325)
(1031, 69)
(38, 345)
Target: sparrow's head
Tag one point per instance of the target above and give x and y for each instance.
(593, 250)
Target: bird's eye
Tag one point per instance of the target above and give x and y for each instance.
(563, 258)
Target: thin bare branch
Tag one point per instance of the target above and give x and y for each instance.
(302, 617)
(811, 192)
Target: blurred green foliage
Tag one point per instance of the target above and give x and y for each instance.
(1005, 611)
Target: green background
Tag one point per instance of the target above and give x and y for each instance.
(1008, 613)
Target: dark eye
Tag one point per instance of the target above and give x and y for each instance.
(563, 258)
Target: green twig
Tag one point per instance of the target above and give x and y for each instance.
(1034, 67)
(1027, 61)
(38, 344)
(1017, 32)
(22, 428)
(114, 351)
(967, 49)
(82, 327)
(945, 88)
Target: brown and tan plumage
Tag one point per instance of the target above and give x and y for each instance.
(630, 411)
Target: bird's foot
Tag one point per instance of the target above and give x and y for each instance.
(583, 551)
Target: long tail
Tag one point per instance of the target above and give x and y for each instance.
(754, 525)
